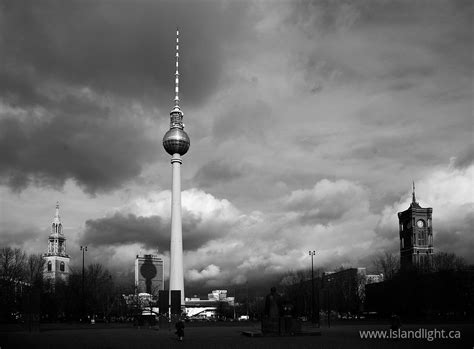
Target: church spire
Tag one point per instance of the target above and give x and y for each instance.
(56, 259)
(57, 218)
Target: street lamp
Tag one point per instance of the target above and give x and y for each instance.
(328, 301)
(234, 303)
(247, 300)
(83, 249)
(312, 253)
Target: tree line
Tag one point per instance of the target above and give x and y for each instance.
(24, 291)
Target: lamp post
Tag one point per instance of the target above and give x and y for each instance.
(312, 253)
(247, 300)
(234, 303)
(329, 306)
(83, 249)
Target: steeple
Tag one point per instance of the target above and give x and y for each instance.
(57, 260)
(414, 203)
(57, 218)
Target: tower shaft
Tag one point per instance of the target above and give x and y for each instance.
(176, 247)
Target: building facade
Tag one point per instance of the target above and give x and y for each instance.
(344, 291)
(208, 308)
(56, 265)
(416, 236)
(149, 276)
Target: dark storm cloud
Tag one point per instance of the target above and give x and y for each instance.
(152, 231)
(247, 119)
(15, 237)
(326, 202)
(415, 31)
(115, 49)
(456, 235)
(122, 229)
(216, 171)
(393, 148)
(17, 88)
(465, 159)
(81, 140)
(126, 47)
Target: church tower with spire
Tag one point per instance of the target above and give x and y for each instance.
(416, 236)
(176, 143)
(56, 265)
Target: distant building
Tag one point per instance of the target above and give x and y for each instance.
(206, 308)
(149, 276)
(344, 291)
(373, 278)
(56, 265)
(217, 295)
(416, 236)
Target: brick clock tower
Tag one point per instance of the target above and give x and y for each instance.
(416, 236)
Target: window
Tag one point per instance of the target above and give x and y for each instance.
(61, 266)
(422, 238)
(50, 266)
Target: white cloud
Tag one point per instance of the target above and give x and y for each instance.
(210, 272)
(195, 202)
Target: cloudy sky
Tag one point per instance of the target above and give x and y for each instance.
(308, 121)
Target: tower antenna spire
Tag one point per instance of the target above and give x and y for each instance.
(176, 88)
(413, 193)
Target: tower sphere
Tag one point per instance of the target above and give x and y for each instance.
(176, 141)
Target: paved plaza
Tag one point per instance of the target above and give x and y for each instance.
(216, 336)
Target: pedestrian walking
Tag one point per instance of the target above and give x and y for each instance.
(179, 329)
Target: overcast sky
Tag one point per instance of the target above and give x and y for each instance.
(308, 122)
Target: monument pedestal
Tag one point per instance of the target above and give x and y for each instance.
(283, 325)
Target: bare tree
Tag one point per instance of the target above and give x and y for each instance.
(12, 277)
(100, 288)
(12, 264)
(34, 270)
(443, 261)
(292, 277)
(388, 264)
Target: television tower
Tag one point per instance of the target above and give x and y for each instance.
(176, 143)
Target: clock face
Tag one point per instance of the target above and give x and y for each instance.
(420, 223)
